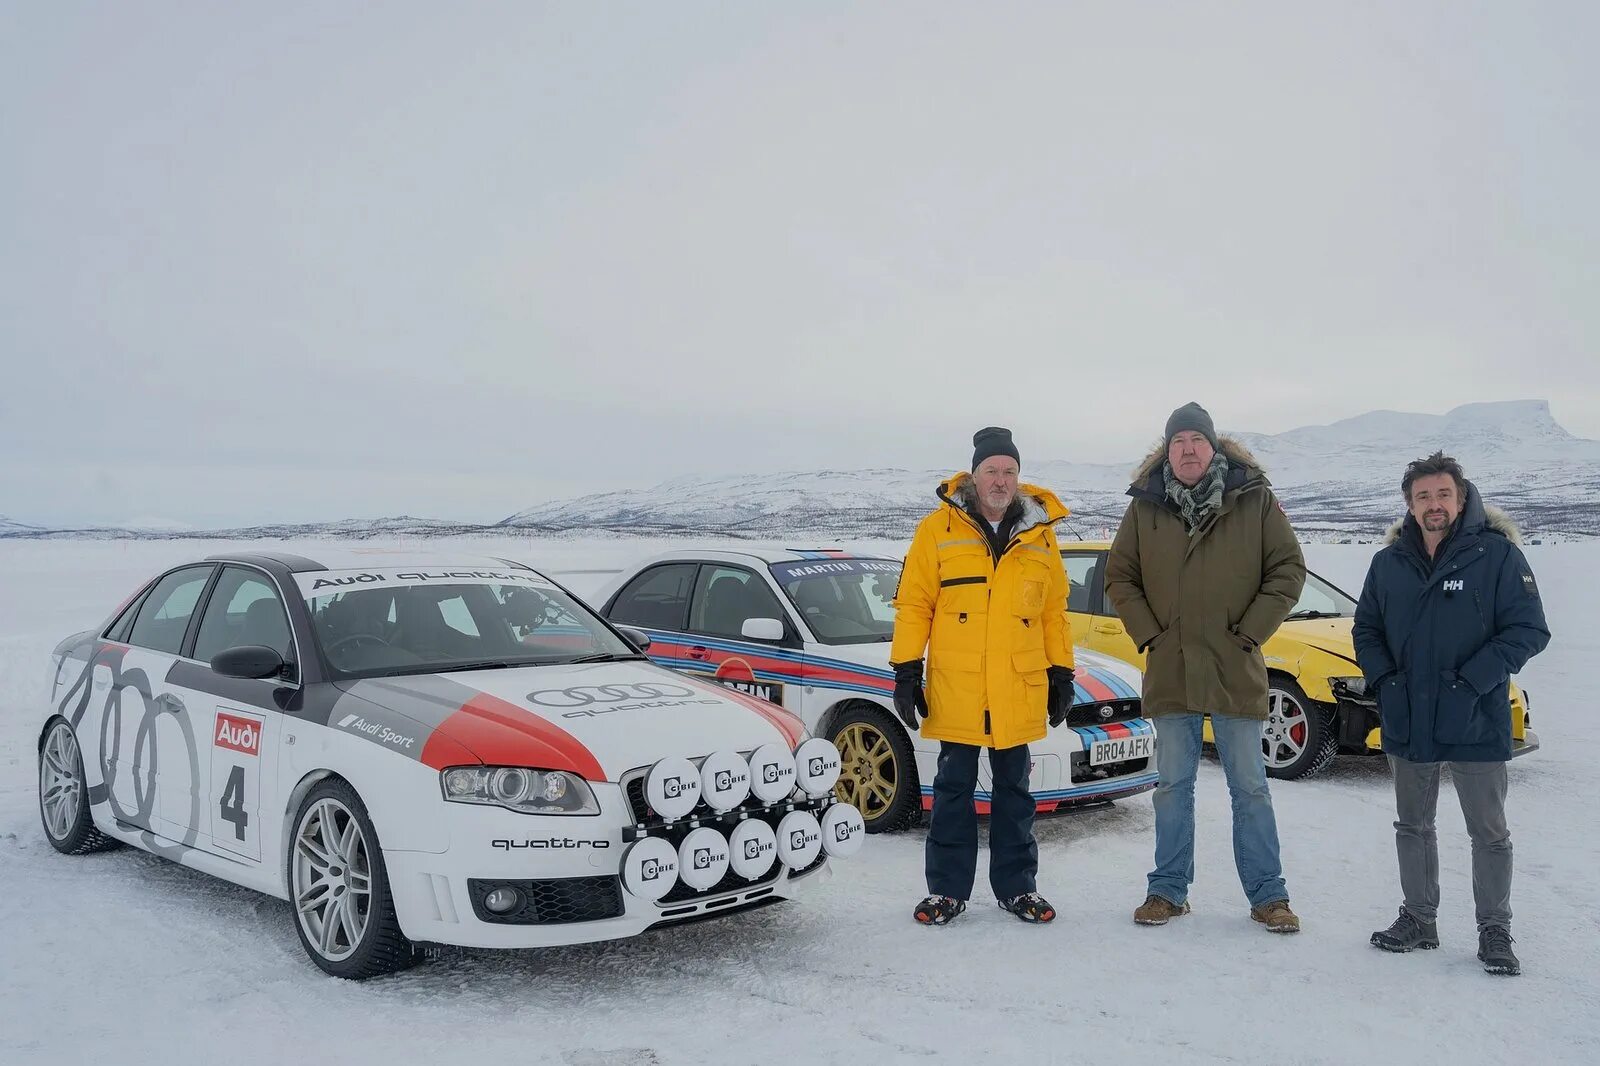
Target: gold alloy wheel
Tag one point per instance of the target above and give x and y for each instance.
(868, 774)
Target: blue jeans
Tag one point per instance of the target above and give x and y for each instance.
(1255, 829)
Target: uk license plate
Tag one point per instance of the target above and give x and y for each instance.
(1121, 749)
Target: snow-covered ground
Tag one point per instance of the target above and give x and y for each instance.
(123, 957)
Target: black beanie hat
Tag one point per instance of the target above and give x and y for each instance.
(1191, 416)
(991, 441)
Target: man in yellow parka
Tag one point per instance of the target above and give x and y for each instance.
(984, 595)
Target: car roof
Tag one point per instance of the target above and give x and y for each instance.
(761, 555)
(363, 559)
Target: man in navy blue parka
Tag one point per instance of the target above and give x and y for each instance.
(1450, 610)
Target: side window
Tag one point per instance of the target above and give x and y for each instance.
(164, 616)
(726, 597)
(1083, 582)
(657, 598)
(118, 630)
(243, 610)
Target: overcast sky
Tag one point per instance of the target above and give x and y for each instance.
(315, 260)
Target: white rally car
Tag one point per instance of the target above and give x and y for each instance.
(426, 750)
(810, 630)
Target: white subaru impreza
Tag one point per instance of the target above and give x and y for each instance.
(427, 750)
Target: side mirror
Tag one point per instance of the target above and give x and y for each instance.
(762, 629)
(249, 661)
(637, 637)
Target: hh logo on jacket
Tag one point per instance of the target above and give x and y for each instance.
(1455, 586)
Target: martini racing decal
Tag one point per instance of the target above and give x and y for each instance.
(787, 573)
(331, 582)
(737, 674)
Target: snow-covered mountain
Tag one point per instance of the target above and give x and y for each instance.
(1336, 480)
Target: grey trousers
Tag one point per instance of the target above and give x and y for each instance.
(1481, 788)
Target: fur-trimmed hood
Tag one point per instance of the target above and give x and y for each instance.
(1476, 515)
(1040, 506)
(1244, 472)
(1238, 456)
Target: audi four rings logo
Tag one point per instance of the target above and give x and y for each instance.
(587, 695)
(1106, 712)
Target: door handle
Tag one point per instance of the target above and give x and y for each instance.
(1109, 628)
(168, 702)
(699, 651)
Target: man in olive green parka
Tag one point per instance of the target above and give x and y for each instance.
(1204, 568)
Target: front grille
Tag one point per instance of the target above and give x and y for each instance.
(552, 901)
(1089, 713)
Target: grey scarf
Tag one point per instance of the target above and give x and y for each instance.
(1198, 503)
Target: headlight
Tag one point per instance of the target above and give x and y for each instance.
(519, 789)
(1354, 688)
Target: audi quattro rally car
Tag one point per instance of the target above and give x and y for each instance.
(426, 750)
(810, 630)
(1317, 699)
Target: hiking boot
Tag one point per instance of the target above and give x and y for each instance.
(1494, 951)
(1407, 933)
(1158, 910)
(938, 910)
(1030, 907)
(1276, 916)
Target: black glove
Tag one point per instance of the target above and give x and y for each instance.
(909, 702)
(1061, 693)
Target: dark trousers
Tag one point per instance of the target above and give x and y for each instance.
(952, 852)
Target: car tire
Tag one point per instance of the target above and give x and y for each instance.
(339, 888)
(1298, 739)
(64, 794)
(878, 768)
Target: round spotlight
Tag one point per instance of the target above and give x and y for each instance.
(672, 788)
(771, 772)
(799, 839)
(816, 767)
(649, 868)
(752, 848)
(724, 780)
(843, 830)
(702, 859)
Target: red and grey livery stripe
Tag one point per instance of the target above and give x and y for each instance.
(459, 725)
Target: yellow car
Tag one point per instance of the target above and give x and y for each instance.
(1318, 705)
